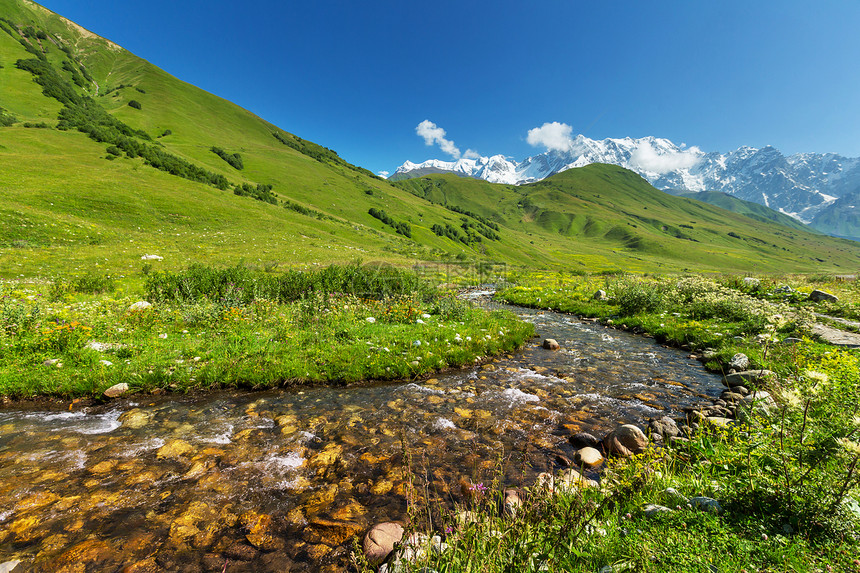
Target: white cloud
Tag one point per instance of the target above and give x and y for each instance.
(434, 134)
(646, 158)
(384, 174)
(471, 154)
(554, 136)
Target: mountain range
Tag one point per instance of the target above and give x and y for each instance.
(819, 189)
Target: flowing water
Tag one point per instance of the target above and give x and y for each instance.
(281, 480)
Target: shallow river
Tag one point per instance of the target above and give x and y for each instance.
(280, 480)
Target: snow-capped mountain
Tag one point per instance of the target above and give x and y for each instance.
(800, 185)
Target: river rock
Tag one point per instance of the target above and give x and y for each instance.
(379, 542)
(589, 457)
(135, 419)
(719, 421)
(822, 296)
(550, 344)
(739, 362)
(625, 441)
(583, 440)
(599, 295)
(331, 532)
(9, 566)
(742, 378)
(675, 497)
(116, 390)
(512, 502)
(173, 449)
(241, 552)
(759, 403)
(664, 427)
(140, 305)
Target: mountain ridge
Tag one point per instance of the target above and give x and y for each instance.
(800, 185)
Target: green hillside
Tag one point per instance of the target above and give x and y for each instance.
(748, 208)
(107, 158)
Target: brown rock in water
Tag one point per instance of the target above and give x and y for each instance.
(330, 531)
(583, 440)
(87, 555)
(241, 552)
(625, 441)
(551, 344)
(174, 448)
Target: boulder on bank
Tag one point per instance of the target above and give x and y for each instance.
(758, 403)
(116, 390)
(625, 441)
(739, 362)
(600, 295)
(745, 376)
(665, 427)
(822, 296)
(379, 542)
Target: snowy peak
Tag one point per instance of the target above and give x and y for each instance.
(800, 185)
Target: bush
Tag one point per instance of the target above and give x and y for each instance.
(242, 286)
(399, 227)
(635, 296)
(234, 159)
(135, 104)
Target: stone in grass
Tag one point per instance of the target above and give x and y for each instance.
(625, 441)
(379, 542)
(652, 509)
(116, 390)
(512, 503)
(140, 305)
(759, 403)
(708, 504)
(822, 296)
(739, 362)
(600, 295)
(675, 497)
(551, 344)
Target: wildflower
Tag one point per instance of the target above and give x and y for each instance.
(791, 398)
(816, 377)
(850, 446)
(478, 487)
(162, 335)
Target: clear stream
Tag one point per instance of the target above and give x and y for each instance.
(280, 480)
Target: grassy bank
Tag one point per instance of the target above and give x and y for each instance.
(212, 328)
(785, 478)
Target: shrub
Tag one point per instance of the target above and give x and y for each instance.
(234, 159)
(399, 227)
(135, 104)
(114, 150)
(636, 296)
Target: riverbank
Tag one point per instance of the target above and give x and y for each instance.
(207, 329)
(764, 480)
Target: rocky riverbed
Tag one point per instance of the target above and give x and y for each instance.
(275, 481)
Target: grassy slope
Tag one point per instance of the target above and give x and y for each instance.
(612, 215)
(64, 207)
(748, 208)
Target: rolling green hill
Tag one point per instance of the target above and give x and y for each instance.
(748, 208)
(107, 158)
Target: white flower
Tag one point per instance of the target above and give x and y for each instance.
(425, 315)
(370, 319)
(816, 377)
(162, 335)
(850, 446)
(419, 321)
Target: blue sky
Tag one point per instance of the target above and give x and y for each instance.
(359, 77)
